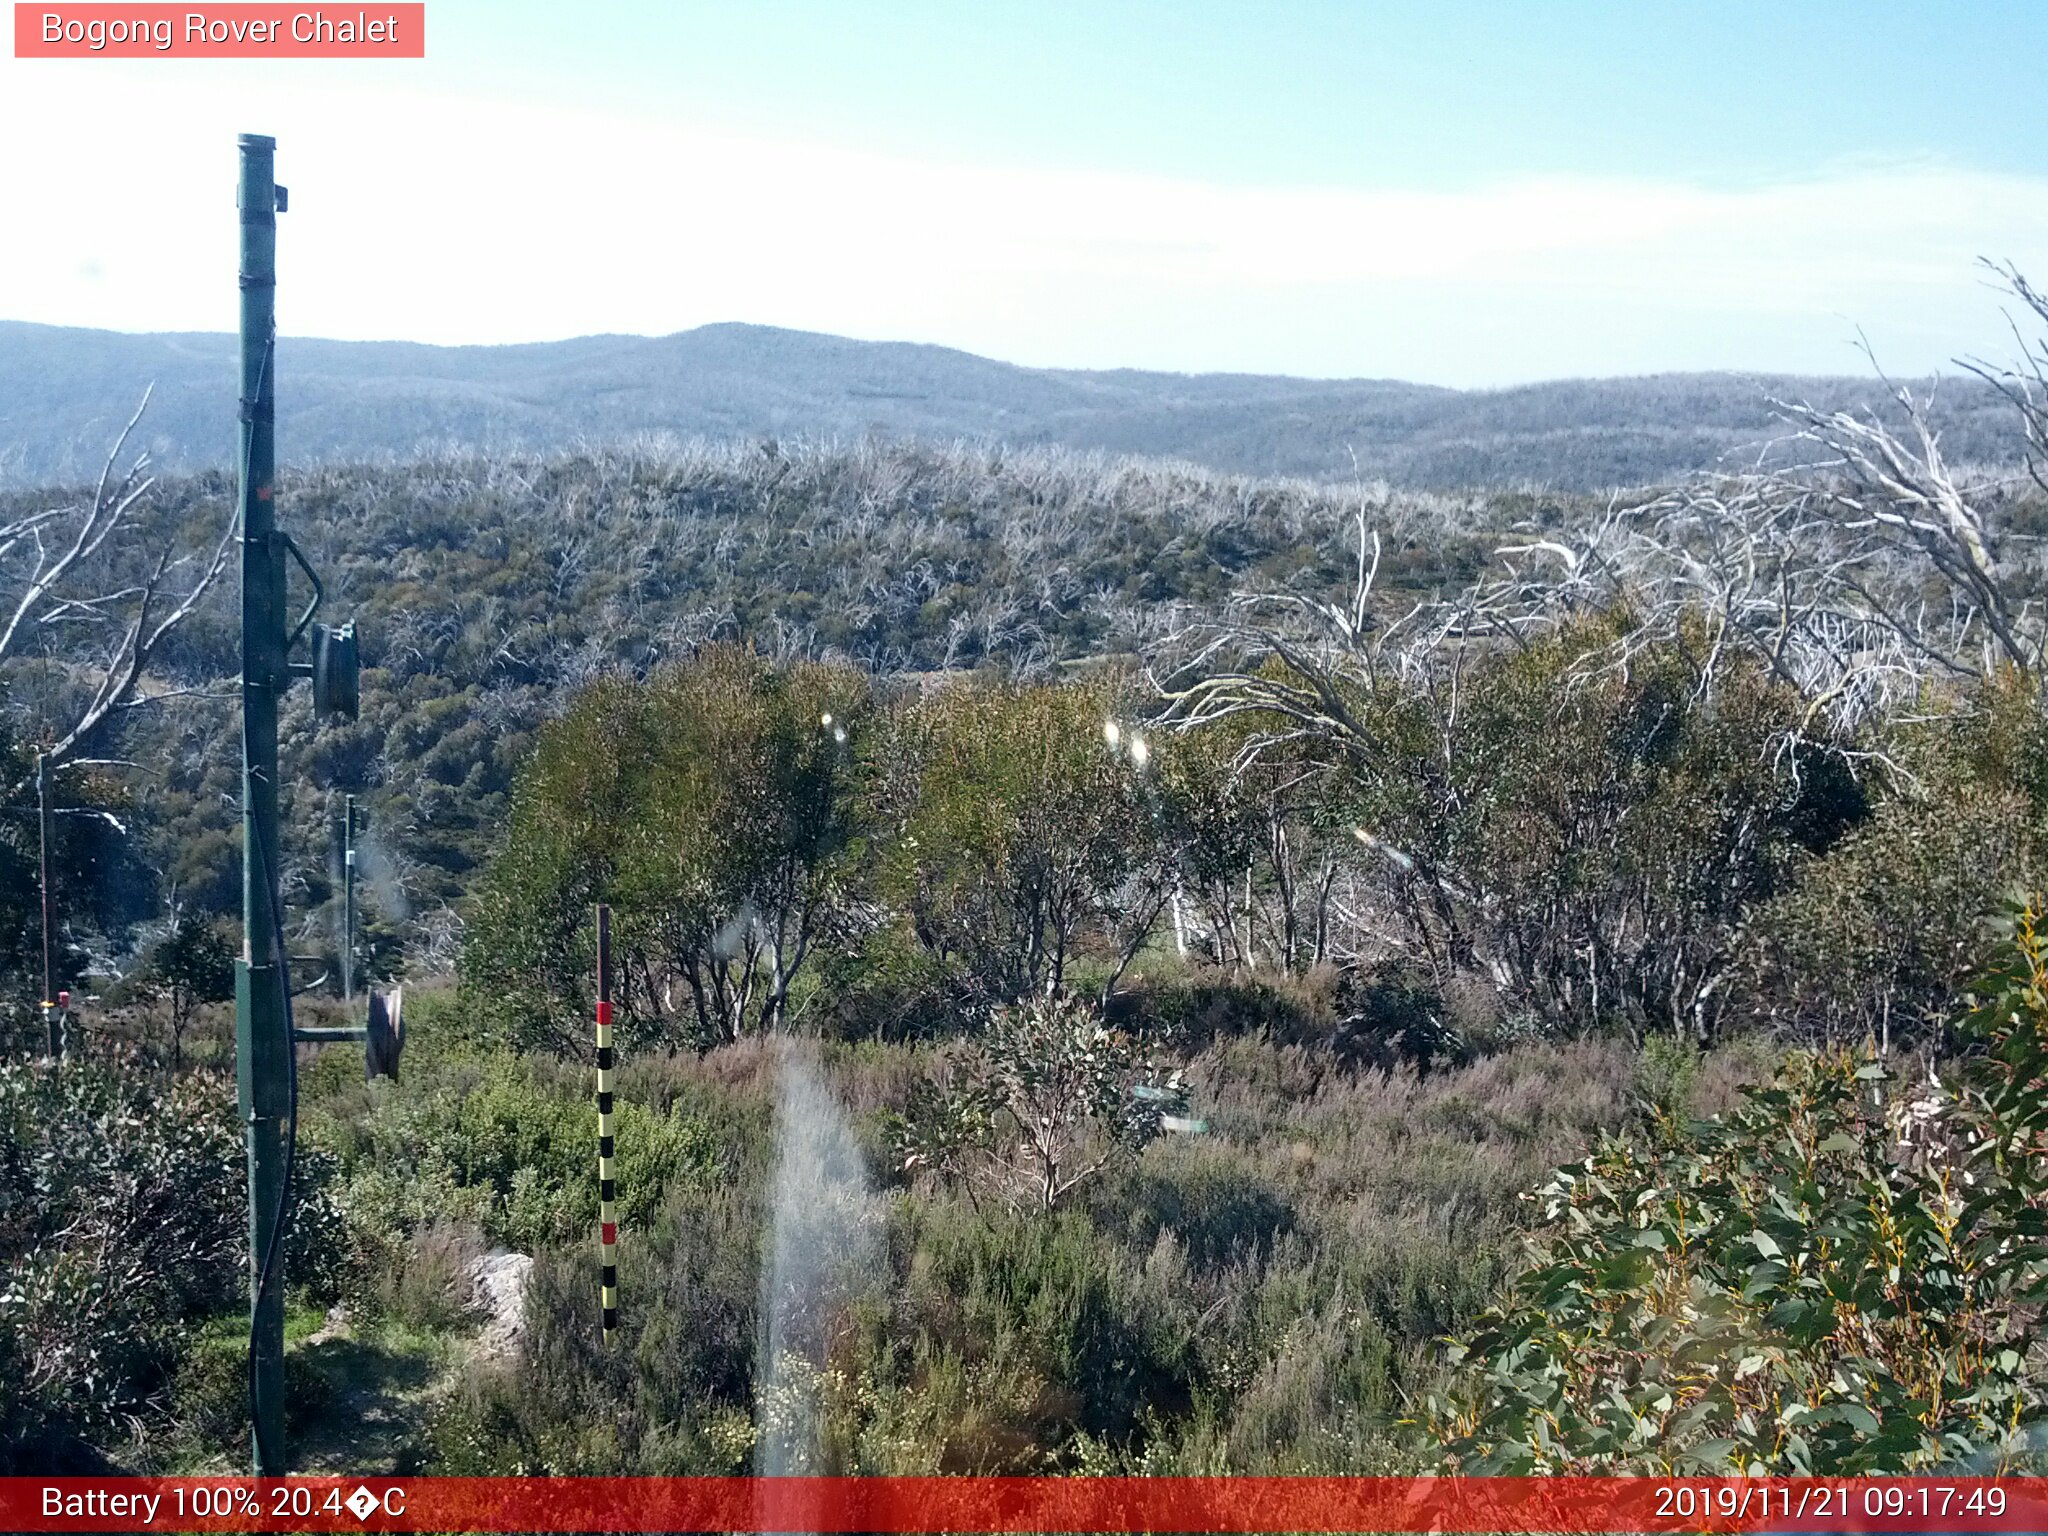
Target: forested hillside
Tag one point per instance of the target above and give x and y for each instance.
(487, 592)
(63, 392)
(1119, 968)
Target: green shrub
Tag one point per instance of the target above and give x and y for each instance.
(122, 1220)
(714, 806)
(671, 1392)
(1838, 1278)
(1392, 1013)
(1006, 833)
(1218, 1204)
(508, 1146)
(1044, 1100)
(886, 987)
(1874, 938)
(1666, 1078)
(1873, 941)
(1100, 1334)
(210, 1397)
(1321, 1402)
(1194, 1008)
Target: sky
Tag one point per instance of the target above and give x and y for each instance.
(1461, 193)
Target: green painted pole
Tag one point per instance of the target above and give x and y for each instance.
(262, 1052)
(348, 898)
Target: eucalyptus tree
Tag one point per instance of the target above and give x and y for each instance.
(1255, 849)
(1006, 830)
(714, 807)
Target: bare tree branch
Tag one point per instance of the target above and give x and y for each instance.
(145, 612)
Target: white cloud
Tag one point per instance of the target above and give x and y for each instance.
(440, 219)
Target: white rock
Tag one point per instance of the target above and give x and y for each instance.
(497, 1287)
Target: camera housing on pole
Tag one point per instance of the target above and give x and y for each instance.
(337, 673)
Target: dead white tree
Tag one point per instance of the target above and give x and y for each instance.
(1329, 674)
(1856, 578)
(1860, 575)
(2023, 380)
(1901, 512)
(1756, 566)
(59, 562)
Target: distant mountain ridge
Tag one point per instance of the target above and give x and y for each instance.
(65, 391)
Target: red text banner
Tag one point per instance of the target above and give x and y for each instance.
(103, 31)
(1026, 1504)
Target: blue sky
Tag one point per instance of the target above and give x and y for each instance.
(1469, 194)
(1333, 93)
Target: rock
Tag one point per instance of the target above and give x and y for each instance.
(497, 1288)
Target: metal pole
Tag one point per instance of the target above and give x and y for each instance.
(348, 898)
(607, 1186)
(262, 1051)
(43, 818)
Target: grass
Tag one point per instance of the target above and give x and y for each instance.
(378, 1388)
(1270, 1296)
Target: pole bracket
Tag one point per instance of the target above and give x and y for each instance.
(291, 548)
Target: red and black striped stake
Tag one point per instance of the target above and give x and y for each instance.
(607, 1186)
